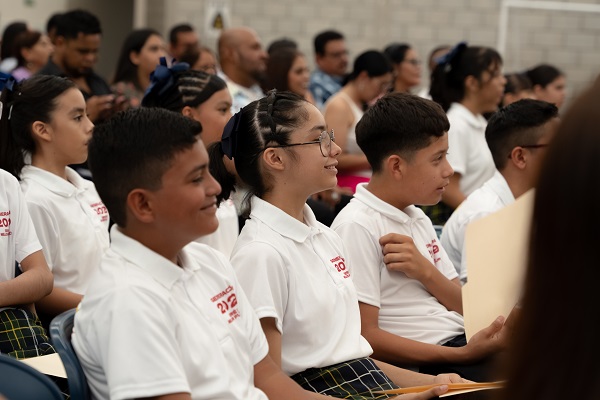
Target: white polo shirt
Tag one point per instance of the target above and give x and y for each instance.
(17, 233)
(492, 196)
(468, 153)
(147, 327)
(224, 238)
(298, 274)
(71, 223)
(406, 308)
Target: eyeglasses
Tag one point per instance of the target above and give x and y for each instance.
(337, 54)
(324, 141)
(414, 61)
(532, 146)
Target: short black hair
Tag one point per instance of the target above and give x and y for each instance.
(399, 123)
(70, 24)
(133, 150)
(326, 36)
(177, 29)
(517, 124)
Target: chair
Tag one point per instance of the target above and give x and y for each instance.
(20, 381)
(61, 328)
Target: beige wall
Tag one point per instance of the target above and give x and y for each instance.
(569, 40)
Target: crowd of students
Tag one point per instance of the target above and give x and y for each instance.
(278, 223)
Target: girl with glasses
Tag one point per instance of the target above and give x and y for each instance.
(294, 269)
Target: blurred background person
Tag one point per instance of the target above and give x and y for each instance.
(287, 69)
(549, 83)
(181, 38)
(8, 55)
(370, 77)
(518, 87)
(407, 66)
(432, 60)
(331, 60)
(200, 59)
(140, 54)
(32, 50)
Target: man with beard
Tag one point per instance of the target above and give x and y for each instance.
(77, 42)
(331, 59)
(243, 64)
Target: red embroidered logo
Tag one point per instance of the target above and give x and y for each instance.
(226, 301)
(433, 249)
(100, 210)
(340, 265)
(5, 223)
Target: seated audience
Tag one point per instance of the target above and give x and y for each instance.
(206, 99)
(166, 318)
(555, 353)
(468, 83)
(295, 270)
(47, 129)
(140, 54)
(408, 291)
(407, 66)
(200, 59)
(370, 77)
(32, 50)
(518, 86)
(549, 84)
(331, 60)
(517, 136)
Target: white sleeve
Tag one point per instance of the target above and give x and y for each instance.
(26, 240)
(47, 232)
(366, 261)
(458, 146)
(264, 277)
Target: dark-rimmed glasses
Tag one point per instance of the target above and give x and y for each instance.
(324, 141)
(532, 146)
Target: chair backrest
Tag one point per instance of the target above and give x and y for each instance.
(20, 381)
(61, 328)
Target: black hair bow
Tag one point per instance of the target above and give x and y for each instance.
(229, 138)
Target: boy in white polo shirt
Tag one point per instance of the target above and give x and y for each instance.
(516, 135)
(164, 317)
(409, 294)
(21, 333)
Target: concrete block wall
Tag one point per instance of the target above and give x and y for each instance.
(570, 40)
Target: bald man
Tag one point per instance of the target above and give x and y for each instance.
(243, 64)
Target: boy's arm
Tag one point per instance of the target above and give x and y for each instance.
(401, 254)
(35, 282)
(399, 350)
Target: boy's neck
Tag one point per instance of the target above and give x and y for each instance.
(380, 188)
(154, 241)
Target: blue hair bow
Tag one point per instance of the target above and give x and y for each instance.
(163, 77)
(447, 58)
(230, 135)
(7, 81)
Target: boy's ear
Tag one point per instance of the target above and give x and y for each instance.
(188, 112)
(273, 160)
(139, 204)
(42, 131)
(518, 156)
(395, 166)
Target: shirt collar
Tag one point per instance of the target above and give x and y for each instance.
(498, 184)
(374, 202)
(54, 183)
(253, 92)
(476, 121)
(162, 270)
(283, 223)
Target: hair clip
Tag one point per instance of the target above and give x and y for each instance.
(447, 58)
(230, 135)
(163, 77)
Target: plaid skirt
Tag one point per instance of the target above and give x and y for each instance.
(22, 334)
(356, 379)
